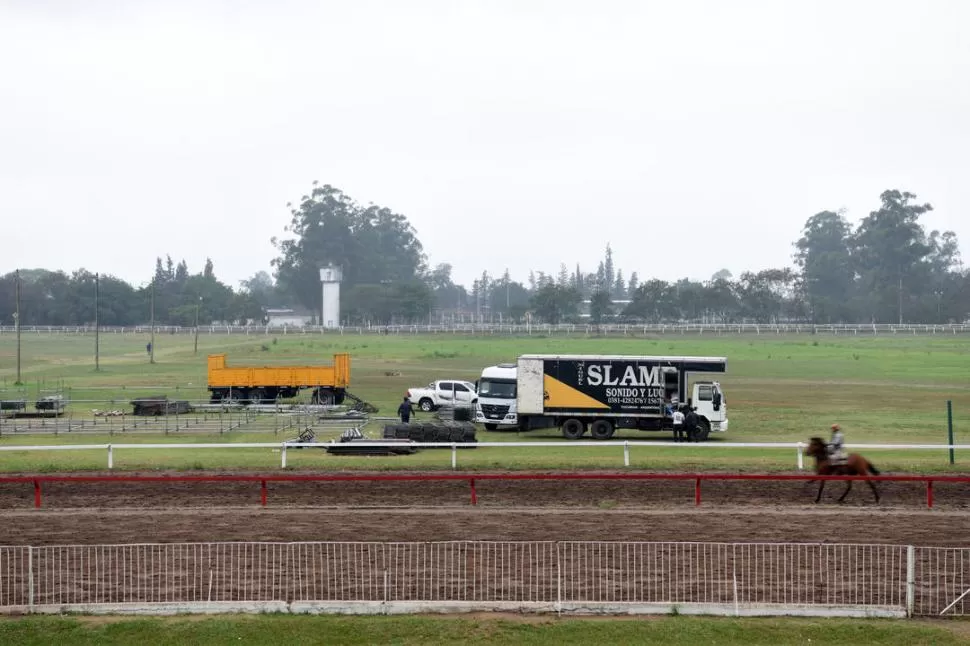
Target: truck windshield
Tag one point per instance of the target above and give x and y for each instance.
(498, 388)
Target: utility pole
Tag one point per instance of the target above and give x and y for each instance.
(97, 322)
(16, 320)
(197, 306)
(151, 344)
(900, 298)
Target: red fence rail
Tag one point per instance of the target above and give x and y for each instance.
(698, 478)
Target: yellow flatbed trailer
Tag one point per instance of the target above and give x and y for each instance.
(258, 384)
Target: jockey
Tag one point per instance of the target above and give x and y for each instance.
(836, 453)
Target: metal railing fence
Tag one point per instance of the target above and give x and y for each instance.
(720, 578)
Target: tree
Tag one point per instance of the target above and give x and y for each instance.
(766, 296)
(181, 272)
(609, 277)
(824, 256)
(689, 299)
(563, 277)
(654, 301)
(371, 245)
(261, 289)
(632, 284)
(555, 303)
(388, 303)
(889, 246)
(619, 285)
(600, 306)
(721, 301)
(445, 293)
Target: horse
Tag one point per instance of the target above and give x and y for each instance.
(855, 465)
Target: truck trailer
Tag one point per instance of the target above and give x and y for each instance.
(601, 393)
(260, 384)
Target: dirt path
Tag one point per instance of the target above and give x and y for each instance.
(658, 510)
(53, 527)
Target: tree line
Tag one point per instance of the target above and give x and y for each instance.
(885, 269)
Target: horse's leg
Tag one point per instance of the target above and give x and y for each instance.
(875, 492)
(847, 489)
(821, 485)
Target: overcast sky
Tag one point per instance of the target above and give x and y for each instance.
(691, 136)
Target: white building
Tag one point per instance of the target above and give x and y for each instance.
(330, 278)
(286, 317)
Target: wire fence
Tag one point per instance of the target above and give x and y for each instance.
(716, 578)
(516, 329)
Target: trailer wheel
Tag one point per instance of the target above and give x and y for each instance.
(601, 429)
(573, 429)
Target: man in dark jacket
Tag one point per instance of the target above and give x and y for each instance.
(404, 410)
(690, 424)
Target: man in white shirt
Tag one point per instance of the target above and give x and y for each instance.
(678, 418)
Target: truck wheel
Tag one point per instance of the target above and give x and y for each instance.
(491, 427)
(573, 429)
(426, 405)
(601, 429)
(703, 430)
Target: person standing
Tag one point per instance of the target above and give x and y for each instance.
(690, 424)
(404, 410)
(678, 425)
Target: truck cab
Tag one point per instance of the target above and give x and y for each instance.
(708, 398)
(497, 392)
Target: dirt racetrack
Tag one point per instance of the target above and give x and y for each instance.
(769, 511)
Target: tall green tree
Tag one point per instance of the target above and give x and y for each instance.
(371, 244)
(890, 245)
(824, 256)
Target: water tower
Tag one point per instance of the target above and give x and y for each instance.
(330, 277)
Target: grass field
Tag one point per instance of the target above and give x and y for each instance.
(888, 389)
(672, 631)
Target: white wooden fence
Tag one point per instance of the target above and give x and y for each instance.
(565, 577)
(456, 447)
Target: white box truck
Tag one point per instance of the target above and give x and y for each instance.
(601, 393)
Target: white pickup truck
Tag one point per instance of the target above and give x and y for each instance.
(438, 393)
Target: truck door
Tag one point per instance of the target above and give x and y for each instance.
(446, 390)
(705, 394)
(463, 394)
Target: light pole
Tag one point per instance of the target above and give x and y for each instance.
(97, 322)
(16, 320)
(939, 305)
(197, 306)
(151, 343)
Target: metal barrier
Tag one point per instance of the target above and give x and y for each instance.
(565, 577)
(471, 478)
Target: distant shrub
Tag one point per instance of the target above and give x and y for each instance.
(438, 354)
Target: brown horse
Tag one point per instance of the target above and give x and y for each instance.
(855, 465)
